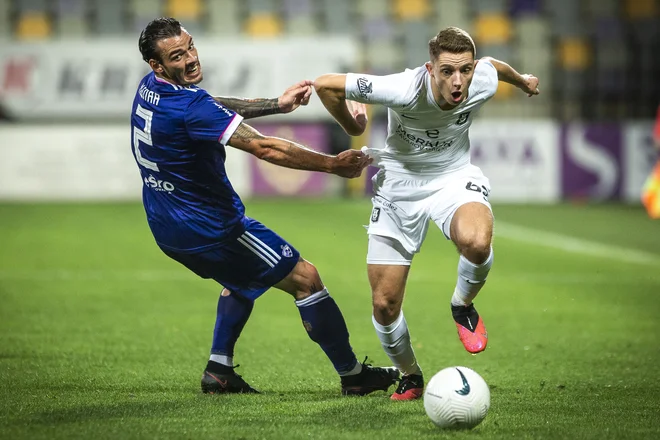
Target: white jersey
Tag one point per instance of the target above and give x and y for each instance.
(423, 140)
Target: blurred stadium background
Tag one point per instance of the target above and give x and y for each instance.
(102, 336)
(68, 71)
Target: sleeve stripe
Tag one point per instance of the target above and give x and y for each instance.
(231, 128)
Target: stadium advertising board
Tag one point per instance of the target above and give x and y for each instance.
(270, 180)
(519, 158)
(71, 80)
(605, 161)
(526, 162)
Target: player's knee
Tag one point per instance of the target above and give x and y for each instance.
(476, 247)
(386, 306)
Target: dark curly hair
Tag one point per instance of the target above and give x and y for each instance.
(156, 30)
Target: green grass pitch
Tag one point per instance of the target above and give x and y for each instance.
(102, 336)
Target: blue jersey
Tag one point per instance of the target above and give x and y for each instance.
(178, 141)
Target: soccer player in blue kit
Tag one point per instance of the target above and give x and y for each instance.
(179, 136)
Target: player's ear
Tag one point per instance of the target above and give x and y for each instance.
(429, 67)
(156, 66)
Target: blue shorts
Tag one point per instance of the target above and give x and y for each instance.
(247, 265)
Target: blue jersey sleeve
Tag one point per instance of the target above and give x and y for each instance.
(208, 120)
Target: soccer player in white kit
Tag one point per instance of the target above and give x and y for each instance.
(425, 176)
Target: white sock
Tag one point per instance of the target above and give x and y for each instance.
(227, 361)
(471, 278)
(395, 340)
(357, 369)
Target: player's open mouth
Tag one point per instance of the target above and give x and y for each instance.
(456, 96)
(193, 71)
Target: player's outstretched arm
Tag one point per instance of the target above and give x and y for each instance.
(292, 98)
(525, 82)
(331, 89)
(289, 154)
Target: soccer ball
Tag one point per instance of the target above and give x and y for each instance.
(457, 397)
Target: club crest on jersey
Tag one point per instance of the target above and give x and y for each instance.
(364, 87)
(286, 251)
(462, 118)
(375, 214)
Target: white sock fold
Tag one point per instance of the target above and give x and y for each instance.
(222, 359)
(471, 278)
(395, 339)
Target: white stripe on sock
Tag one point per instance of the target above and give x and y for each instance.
(314, 298)
(268, 262)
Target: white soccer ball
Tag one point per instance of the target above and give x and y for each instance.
(456, 397)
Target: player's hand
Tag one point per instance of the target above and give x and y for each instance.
(359, 113)
(295, 96)
(350, 163)
(530, 85)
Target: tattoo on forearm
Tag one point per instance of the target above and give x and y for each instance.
(246, 134)
(250, 108)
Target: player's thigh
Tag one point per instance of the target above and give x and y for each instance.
(388, 265)
(471, 228)
(249, 264)
(467, 192)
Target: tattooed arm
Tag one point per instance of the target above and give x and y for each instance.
(289, 154)
(250, 108)
(292, 98)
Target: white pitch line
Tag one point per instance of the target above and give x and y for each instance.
(574, 245)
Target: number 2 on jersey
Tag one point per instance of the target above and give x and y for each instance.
(143, 136)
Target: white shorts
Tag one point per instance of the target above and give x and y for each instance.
(403, 207)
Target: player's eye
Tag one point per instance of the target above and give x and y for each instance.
(446, 72)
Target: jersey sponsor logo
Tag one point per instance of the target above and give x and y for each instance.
(158, 185)
(463, 118)
(364, 86)
(420, 143)
(375, 215)
(286, 251)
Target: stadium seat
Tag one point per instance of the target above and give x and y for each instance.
(416, 35)
(224, 17)
(33, 26)
(261, 6)
(71, 18)
(109, 17)
(492, 29)
(412, 9)
(338, 16)
(373, 8)
(636, 9)
(452, 13)
(5, 21)
(300, 17)
(489, 6)
(573, 54)
(184, 10)
(263, 25)
(22, 6)
(532, 32)
(565, 17)
(524, 8)
(602, 8)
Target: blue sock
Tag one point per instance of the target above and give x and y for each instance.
(233, 313)
(325, 325)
